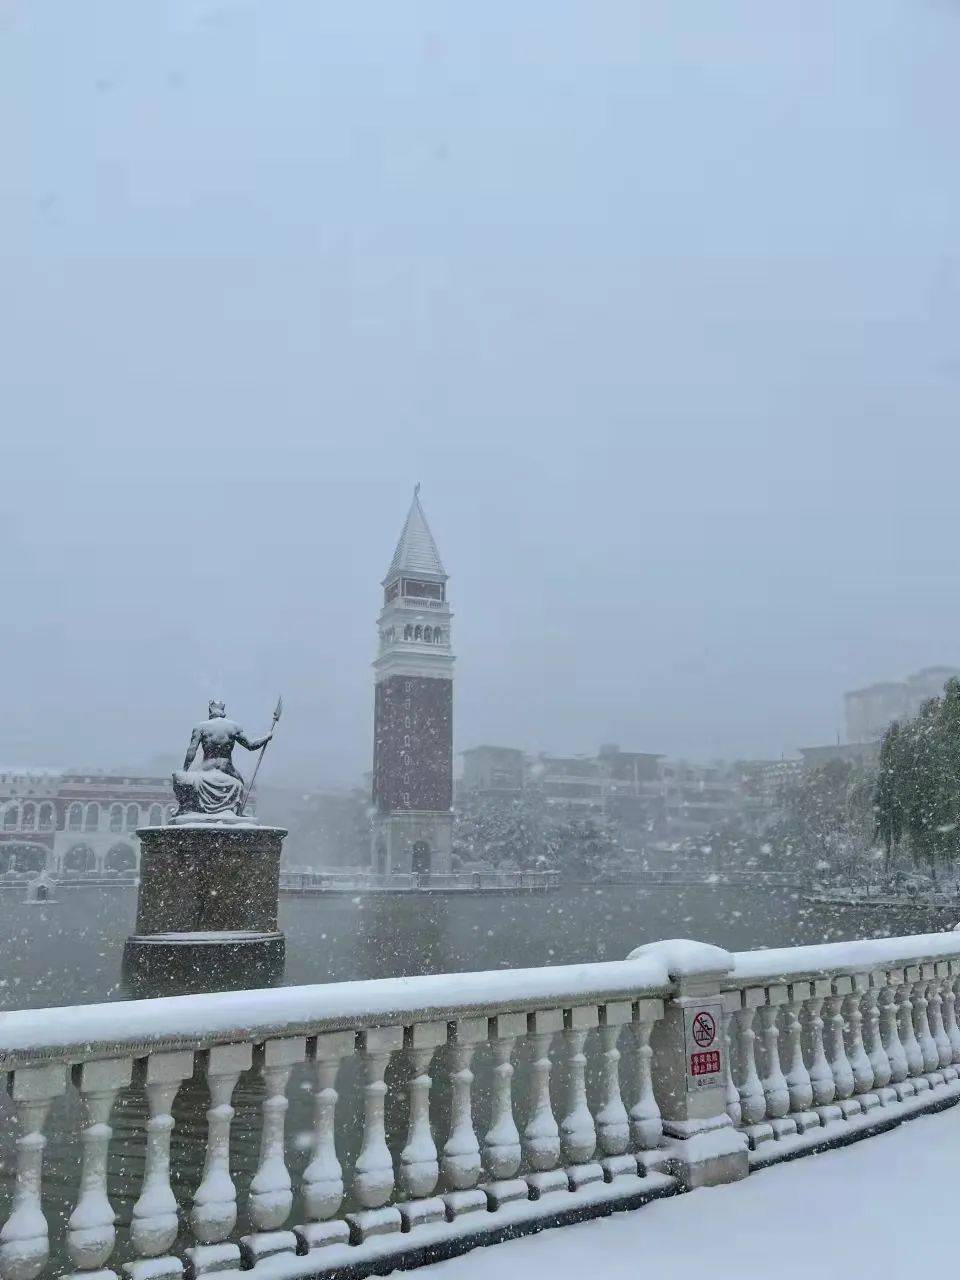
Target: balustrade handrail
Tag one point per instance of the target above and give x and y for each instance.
(137, 1027)
(828, 958)
(772, 1053)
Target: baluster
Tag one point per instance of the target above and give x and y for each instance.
(91, 1234)
(774, 1084)
(891, 1033)
(950, 1012)
(873, 1039)
(501, 1142)
(646, 1123)
(578, 1136)
(373, 1170)
(821, 1077)
(271, 1191)
(731, 1002)
(541, 1136)
(419, 1170)
(214, 1212)
(24, 1240)
(921, 1024)
(908, 1035)
(836, 1048)
(753, 1105)
(613, 1123)
(935, 1014)
(322, 1186)
(799, 1085)
(153, 1227)
(460, 1160)
(853, 1044)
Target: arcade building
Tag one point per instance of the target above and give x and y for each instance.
(413, 709)
(77, 823)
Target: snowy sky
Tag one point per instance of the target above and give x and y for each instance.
(660, 302)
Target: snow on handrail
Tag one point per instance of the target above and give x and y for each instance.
(82, 1032)
(136, 1027)
(840, 957)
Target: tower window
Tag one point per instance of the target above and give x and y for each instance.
(408, 632)
(428, 634)
(422, 590)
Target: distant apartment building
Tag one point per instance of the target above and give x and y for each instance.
(649, 797)
(698, 798)
(761, 784)
(865, 753)
(870, 711)
(568, 780)
(493, 770)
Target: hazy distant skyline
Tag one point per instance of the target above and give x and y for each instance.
(661, 306)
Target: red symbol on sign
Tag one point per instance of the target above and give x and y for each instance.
(704, 1029)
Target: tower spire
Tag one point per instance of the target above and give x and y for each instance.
(416, 551)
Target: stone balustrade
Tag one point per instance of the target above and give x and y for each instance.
(829, 1041)
(350, 881)
(300, 1131)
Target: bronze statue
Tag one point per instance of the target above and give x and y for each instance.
(214, 787)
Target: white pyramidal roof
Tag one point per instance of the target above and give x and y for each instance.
(416, 551)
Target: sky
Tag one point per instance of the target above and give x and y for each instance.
(660, 303)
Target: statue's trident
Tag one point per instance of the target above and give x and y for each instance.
(278, 711)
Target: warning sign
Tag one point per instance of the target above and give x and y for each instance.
(704, 1029)
(704, 1054)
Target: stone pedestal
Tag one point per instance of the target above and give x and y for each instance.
(207, 908)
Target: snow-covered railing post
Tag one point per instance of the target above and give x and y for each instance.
(701, 1143)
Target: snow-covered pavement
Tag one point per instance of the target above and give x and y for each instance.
(880, 1208)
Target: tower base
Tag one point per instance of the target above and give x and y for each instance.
(416, 840)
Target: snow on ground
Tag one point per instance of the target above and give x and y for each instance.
(880, 1208)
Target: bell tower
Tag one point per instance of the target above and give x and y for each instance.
(413, 708)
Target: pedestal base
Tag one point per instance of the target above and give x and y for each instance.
(161, 963)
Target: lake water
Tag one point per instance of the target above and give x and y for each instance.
(69, 952)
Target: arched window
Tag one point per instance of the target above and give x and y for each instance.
(120, 858)
(92, 817)
(11, 819)
(116, 817)
(156, 816)
(438, 635)
(29, 816)
(418, 632)
(46, 817)
(75, 817)
(408, 632)
(133, 817)
(80, 858)
(428, 634)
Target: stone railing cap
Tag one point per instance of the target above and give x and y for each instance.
(685, 958)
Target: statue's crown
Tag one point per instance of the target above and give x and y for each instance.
(216, 705)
